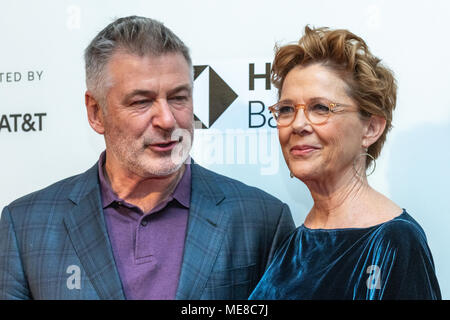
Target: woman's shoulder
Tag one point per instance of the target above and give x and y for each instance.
(402, 231)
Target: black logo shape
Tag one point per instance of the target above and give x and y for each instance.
(221, 96)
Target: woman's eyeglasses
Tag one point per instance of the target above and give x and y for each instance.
(316, 112)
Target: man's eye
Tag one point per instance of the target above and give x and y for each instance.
(179, 98)
(319, 108)
(141, 102)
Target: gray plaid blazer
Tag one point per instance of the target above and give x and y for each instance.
(54, 242)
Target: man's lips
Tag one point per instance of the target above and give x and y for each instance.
(162, 146)
(304, 149)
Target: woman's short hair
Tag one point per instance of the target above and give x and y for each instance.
(369, 83)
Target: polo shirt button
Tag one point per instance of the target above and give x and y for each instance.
(144, 223)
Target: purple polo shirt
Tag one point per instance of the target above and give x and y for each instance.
(148, 246)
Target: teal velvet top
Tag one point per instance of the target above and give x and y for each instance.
(387, 261)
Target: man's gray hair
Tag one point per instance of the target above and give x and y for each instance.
(135, 35)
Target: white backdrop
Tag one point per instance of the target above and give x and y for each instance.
(44, 134)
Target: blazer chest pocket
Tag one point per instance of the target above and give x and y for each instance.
(230, 277)
(236, 283)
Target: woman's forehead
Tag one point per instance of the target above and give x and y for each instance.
(315, 80)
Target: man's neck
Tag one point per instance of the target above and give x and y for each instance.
(145, 193)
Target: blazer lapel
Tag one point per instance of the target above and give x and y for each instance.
(207, 225)
(87, 231)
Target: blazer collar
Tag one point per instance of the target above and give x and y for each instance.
(207, 226)
(84, 184)
(87, 230)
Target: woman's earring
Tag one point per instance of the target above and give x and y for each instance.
(291, 174)
(373, 163)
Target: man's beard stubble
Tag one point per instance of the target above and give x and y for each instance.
(160, 164)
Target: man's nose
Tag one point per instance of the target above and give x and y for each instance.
(164, 117)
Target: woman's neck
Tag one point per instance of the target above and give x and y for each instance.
(347, 202)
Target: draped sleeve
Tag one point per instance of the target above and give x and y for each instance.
(411, 272)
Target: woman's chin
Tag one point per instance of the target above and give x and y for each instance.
(305, 174)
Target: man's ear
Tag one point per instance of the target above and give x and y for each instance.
(374, 129)
(94, 113)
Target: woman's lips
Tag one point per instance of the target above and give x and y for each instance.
(302, 150)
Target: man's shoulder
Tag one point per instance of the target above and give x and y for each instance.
(231, 187)
(53, 194)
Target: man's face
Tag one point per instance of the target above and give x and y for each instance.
(148, 121)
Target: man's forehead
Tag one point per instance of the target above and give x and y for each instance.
(121, 56)
(128, 69)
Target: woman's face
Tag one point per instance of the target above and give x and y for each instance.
(325, 151)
